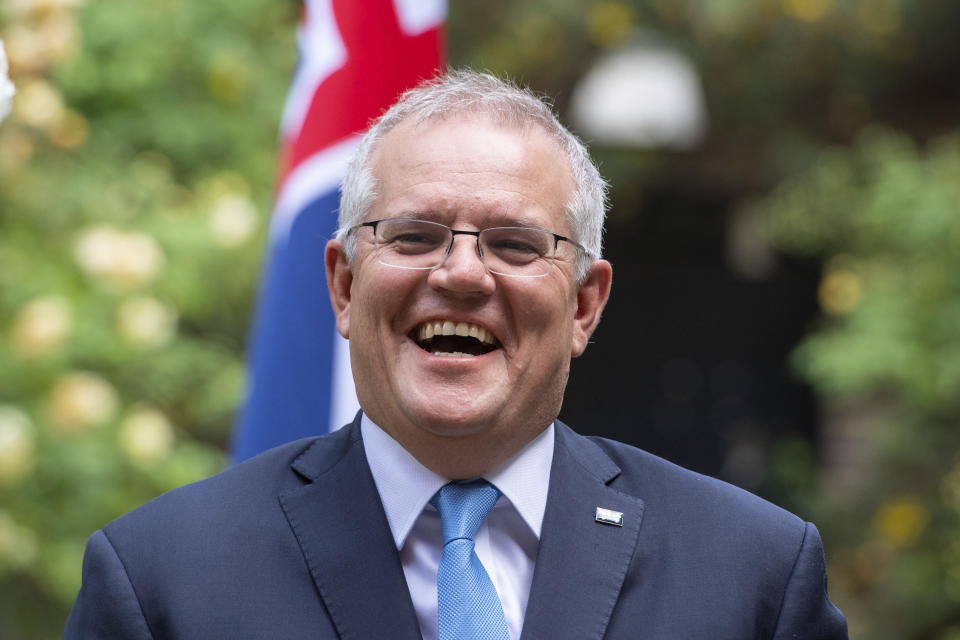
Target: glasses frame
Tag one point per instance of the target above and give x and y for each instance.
(557, 238)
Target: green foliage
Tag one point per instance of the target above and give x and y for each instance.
(771, 67)
(136, 171)
(885, 358)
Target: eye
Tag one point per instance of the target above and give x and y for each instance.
(517, 246)
(415, 238)
(415, 243)
(411, 236)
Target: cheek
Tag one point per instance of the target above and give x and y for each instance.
(366, 326)
(547, 326)
(379, 312)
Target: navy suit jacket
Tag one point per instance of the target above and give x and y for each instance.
(295, 544)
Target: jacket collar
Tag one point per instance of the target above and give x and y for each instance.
(343, 533)
(346, 541)
(581, 563)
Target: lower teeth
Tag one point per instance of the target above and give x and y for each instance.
(455, 354)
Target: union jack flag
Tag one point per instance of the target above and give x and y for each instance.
(356, 57)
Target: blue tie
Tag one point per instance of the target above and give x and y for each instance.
(468, 604)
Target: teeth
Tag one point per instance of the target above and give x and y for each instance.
(448, 328)
(455, 354)
(426, 331)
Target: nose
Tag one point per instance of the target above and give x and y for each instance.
(463, 271)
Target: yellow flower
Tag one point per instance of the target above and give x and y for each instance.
(807, 10)
(18, 544)
(38, 105)
(900, 521)
(146, 435)
(60, 34)
(71, 132)
(24, 49)
(146, 322)
(17, 450)
(118, 259)
(41, 326)
(233, 220)
(228, 77)
(81, 401)
(840, 292)
(609, 23)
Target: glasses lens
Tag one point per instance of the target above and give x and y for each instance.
(411, 244)
(518, 251)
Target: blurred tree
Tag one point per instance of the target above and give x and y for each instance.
(885, 362)
(781, 77)
(135, 168)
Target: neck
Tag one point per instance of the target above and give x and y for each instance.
(460, 457)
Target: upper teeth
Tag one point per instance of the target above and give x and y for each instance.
(447, 328)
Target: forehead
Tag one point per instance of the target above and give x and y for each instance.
(470, 165)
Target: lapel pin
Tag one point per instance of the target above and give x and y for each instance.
(608, 516)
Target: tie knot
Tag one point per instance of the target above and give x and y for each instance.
(463, 507)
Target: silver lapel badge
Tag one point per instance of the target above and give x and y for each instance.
(608, 516)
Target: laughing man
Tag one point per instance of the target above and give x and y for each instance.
(466, 274)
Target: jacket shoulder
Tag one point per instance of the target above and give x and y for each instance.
(234, 499)
(752, 568)
(681, 493)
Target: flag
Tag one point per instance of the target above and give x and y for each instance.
(356, 57)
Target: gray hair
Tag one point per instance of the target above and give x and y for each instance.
(464, 91)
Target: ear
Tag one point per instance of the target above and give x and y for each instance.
(591, 299)
(339, 281)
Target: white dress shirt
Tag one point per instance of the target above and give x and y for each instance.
(506, 542)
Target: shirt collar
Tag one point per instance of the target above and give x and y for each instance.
(406, 486)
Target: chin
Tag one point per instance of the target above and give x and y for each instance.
(458, 424)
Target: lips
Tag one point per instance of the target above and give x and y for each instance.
(454, 339)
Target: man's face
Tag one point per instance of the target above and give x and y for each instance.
(470, 174)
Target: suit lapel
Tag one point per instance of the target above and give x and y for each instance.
(341, 527)
(581, 564)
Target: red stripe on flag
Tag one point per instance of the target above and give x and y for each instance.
(382, 62)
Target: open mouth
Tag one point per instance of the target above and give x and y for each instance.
(455, 339)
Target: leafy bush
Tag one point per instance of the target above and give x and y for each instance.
(884, 217)
(136, 168)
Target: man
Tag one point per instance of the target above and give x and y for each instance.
(465, 274)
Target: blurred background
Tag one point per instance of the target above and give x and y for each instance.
(785, 235)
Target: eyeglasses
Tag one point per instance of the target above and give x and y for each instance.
(519, 252)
